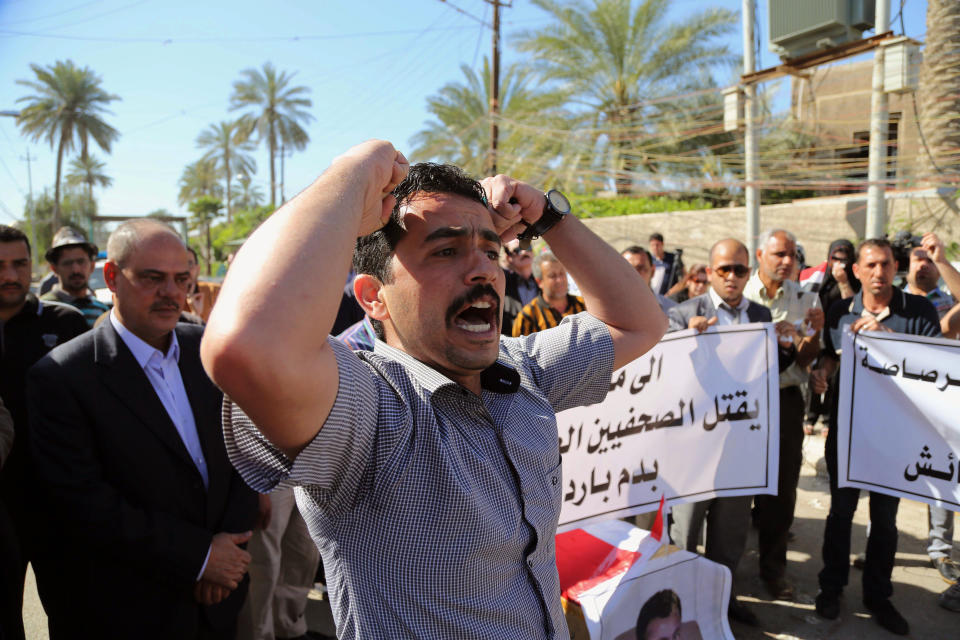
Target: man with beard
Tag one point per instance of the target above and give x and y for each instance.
(428, 470)
(878, 307)
(551, 306)
(928, 263)
(130, 458)
(72, 258)
(29, 328)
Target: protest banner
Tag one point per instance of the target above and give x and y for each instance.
(682, 595)
(897, 422)
(690, 420)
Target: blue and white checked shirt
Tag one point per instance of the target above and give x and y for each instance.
(435, 510)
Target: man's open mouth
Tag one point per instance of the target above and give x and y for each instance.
(479, 316)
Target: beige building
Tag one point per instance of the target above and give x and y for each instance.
(832, 105)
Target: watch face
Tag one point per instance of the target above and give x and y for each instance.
(558, 201)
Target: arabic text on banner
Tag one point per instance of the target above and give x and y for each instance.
(897, 422)
(690, 420)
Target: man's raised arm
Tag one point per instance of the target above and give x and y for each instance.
(266, 341)
(612, 290)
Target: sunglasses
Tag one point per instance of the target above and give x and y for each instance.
(516, 252)
(738, 270)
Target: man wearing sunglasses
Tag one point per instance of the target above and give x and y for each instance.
(728, 519)
(522, 287)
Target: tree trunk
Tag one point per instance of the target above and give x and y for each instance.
(273, 176)
(56, 187)
(209, 248)
(226, 164)
(939, 93)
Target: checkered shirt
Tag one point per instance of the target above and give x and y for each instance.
(434, 509)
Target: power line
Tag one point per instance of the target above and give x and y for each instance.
(223, 39)
(54, 15)
(469, 15)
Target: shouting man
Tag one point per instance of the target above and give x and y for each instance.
(428, 470)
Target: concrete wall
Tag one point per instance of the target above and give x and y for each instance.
(815, 221)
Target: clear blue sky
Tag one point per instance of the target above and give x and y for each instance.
(370, 65)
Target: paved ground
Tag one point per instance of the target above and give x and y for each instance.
(916, 584)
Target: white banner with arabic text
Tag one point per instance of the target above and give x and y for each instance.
(898, 430)
(690, 420)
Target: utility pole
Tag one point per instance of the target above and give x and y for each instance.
(31, 217)
(879, 117)
(749, 137)
(494, 90)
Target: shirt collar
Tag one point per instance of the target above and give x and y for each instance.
(718, 302)
(756, 288)
(896, 304)
(142, 351)
(428, 377)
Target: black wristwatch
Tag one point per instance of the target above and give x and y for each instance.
(555, 209)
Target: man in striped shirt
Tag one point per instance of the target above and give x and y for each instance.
(553, 304)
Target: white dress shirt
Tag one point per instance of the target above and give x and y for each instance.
(727, 314)
(163, 373)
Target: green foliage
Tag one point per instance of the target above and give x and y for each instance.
(460, 132)
(620, 61)
(226, 236)
(593, 207)
(67, 108)
(275, 111)
(229, 150)
(75, 210)
(199, 179)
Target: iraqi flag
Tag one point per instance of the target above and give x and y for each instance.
(602, 552)
(812, 277)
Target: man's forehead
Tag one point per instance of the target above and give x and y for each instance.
(13, 250)
(426, 213)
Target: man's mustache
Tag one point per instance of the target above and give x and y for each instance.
(165, 305)
(473, 294)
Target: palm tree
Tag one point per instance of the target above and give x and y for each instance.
(88, 171)
(204, 209)
(230, 151)
(200, 178)
(66, 109)
(611, 57)
(939, 95)
(460, 132)
(249, 195)
(276, 109)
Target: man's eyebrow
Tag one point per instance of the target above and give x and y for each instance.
(460, 232)
(491, 236)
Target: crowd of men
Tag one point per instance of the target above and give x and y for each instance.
(417, 454)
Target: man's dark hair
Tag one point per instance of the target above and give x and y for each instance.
(12, 234)
(878, 243)
(372, 253)
(659, 605)
(655, 236)
(637, 249)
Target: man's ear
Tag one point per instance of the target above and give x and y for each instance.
(759, 255)
(366, 289)
(110, 270)
(856, 270)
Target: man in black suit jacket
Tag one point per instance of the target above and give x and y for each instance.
(728, 519)
(147, 517)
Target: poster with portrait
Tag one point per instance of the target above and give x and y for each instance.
(676, 594)
(690, 420)
(898, 431)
